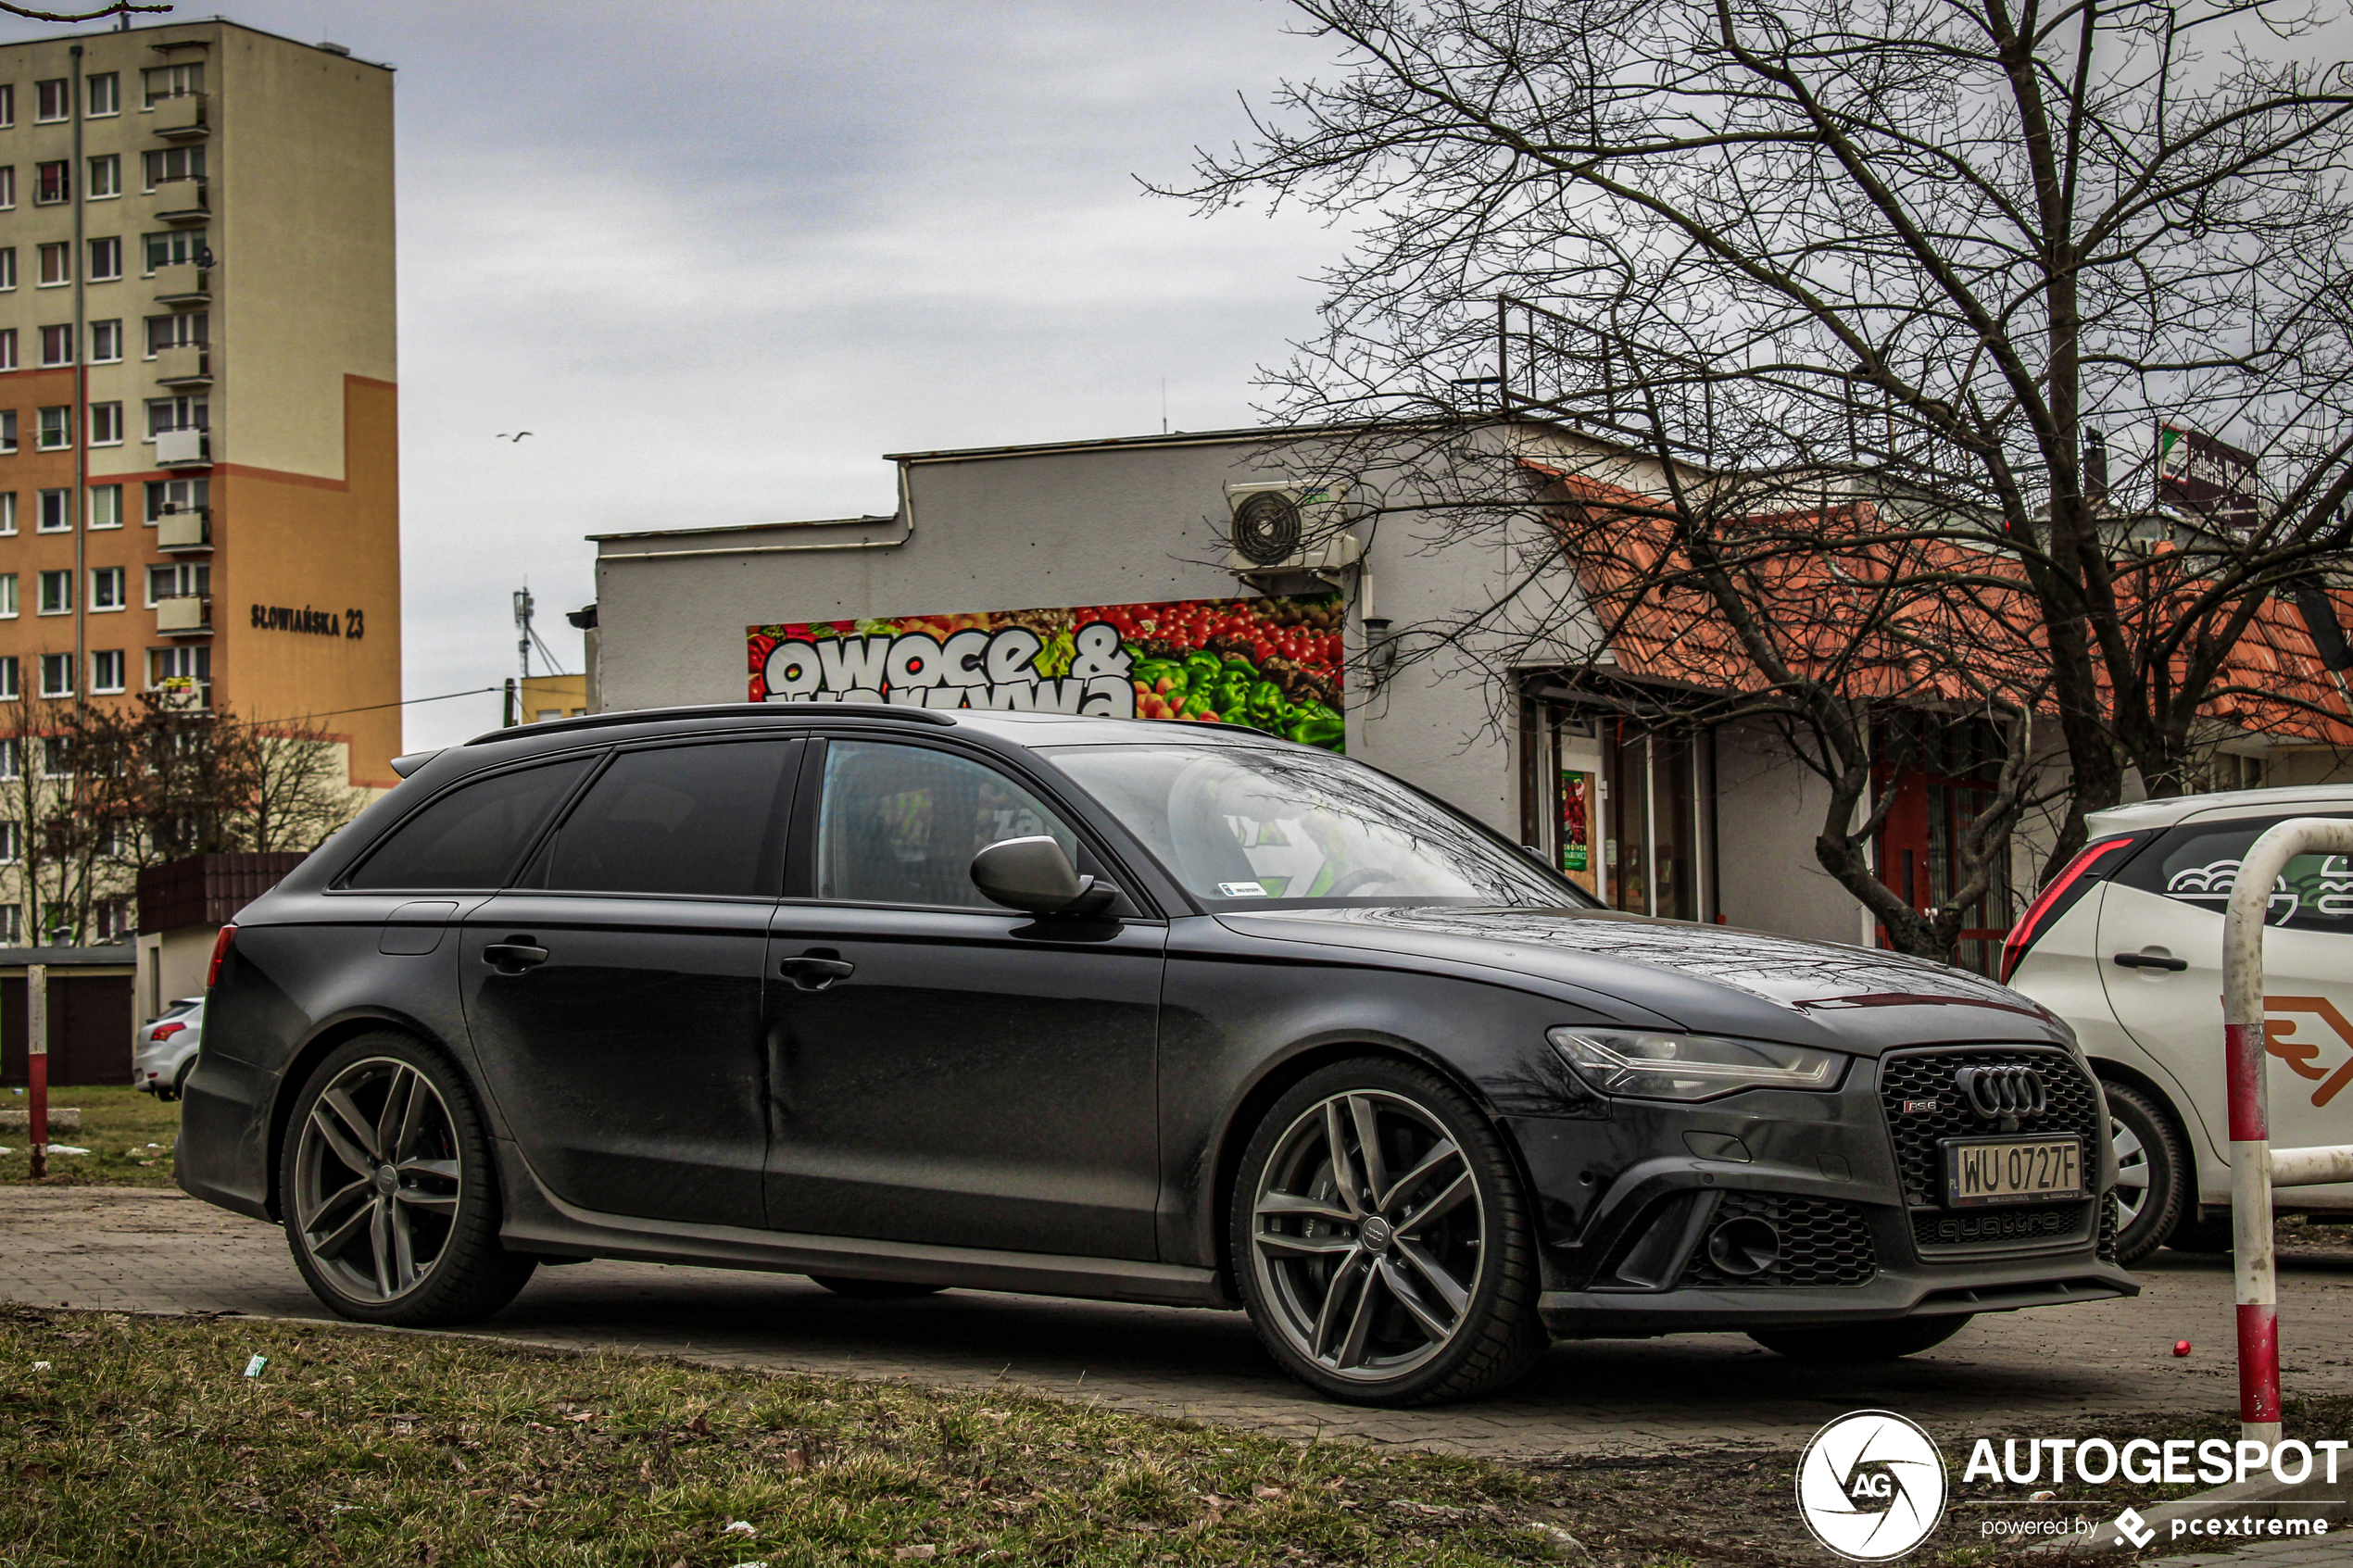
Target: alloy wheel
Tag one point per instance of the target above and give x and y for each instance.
(377, 1179)
(1366, 1232)
(2133, 1176)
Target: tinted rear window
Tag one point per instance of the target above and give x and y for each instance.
(689, 820)
(471, 836)
(2197, 863)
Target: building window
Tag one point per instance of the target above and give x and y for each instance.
(7, 266)
(106, 673)
(8, 185)
(112, 917)
(7, 106)
(178, 246)
(106, 588)
(172, 82)
(57, 593)
(166, 496)
(56, 344)
(191, 329)
(57, 429)
(106, 427)
(12, 750)
(167, 164)
(57, 516)
(178, 413)
(57, 751)
(106, 260)
(7, 348)
(11, 848)
(105, 92)
(106, 509)
(52, 100)
(7, 595)
(181, 580)
(57, 264)
(106, 176)
(8, 527)
(12, 924)
(57, 680)
(52, 183)
(7, 431)
(106, 342)
(189, 666)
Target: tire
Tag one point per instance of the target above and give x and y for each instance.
(874, 1289)
(180, 1081)
(1427, 1292)
(2154, 1173)
(1854, 1344)
(412, 1240)
(2209, 1237)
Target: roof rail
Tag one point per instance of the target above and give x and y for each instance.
(706, 710)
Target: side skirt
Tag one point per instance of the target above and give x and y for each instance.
(538, 1221)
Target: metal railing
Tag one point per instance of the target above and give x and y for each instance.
(2256, 1168)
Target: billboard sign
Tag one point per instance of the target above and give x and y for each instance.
(2209, 478)
(1274, 664)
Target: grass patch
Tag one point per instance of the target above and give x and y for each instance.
(118, 1125)
(142, 1443)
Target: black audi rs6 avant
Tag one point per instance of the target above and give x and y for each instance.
(907, 1000)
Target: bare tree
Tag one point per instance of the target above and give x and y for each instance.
(302, 790)
(124, 8)
(1960, 265)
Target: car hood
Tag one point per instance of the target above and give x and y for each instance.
(1710, 979)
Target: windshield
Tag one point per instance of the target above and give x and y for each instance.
(1242, 825)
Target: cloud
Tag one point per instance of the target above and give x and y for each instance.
(720, 258)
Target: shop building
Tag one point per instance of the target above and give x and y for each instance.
(199, 450)
(977, 590)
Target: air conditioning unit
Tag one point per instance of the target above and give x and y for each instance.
(1281, 525)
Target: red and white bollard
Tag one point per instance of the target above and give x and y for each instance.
(2252, 1172)
(36, 1065)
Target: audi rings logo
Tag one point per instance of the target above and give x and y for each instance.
(1870, 1485)
(1995, 1092)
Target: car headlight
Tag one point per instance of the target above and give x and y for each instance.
(1643, 1064)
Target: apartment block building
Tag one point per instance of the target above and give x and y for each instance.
(198, 421)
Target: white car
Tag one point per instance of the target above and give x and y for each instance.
(163, 1050)
(2126, 945)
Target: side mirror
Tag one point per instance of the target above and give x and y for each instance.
(1034, 876)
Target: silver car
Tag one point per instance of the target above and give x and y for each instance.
(163, 1050)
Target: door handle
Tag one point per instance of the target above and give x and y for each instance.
(514, 955)
(814, 972)
(2151, 961)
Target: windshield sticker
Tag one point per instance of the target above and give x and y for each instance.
(2323, 890)
(1240, 890)
(1272, 664)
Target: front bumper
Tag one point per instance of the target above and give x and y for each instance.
(1632, 1194)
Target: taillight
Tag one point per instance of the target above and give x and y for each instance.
(2090, 865)
(221, 946)
(165, 1031)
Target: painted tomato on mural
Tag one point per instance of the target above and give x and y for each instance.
(1274, 664)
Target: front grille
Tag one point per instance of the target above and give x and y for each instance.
(1927, 1075)
(1823, 1242)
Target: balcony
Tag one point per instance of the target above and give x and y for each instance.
(187, 117)
(184, 449)
(188, 616)
(186, 532)
(188, 200)
(182, 283)
(184, 366)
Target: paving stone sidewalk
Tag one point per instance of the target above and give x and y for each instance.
(147, 1251)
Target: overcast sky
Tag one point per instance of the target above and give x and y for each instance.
(720, 255)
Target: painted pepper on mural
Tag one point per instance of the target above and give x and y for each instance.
(1273, 664)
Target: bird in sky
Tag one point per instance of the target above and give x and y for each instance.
(517, 436)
